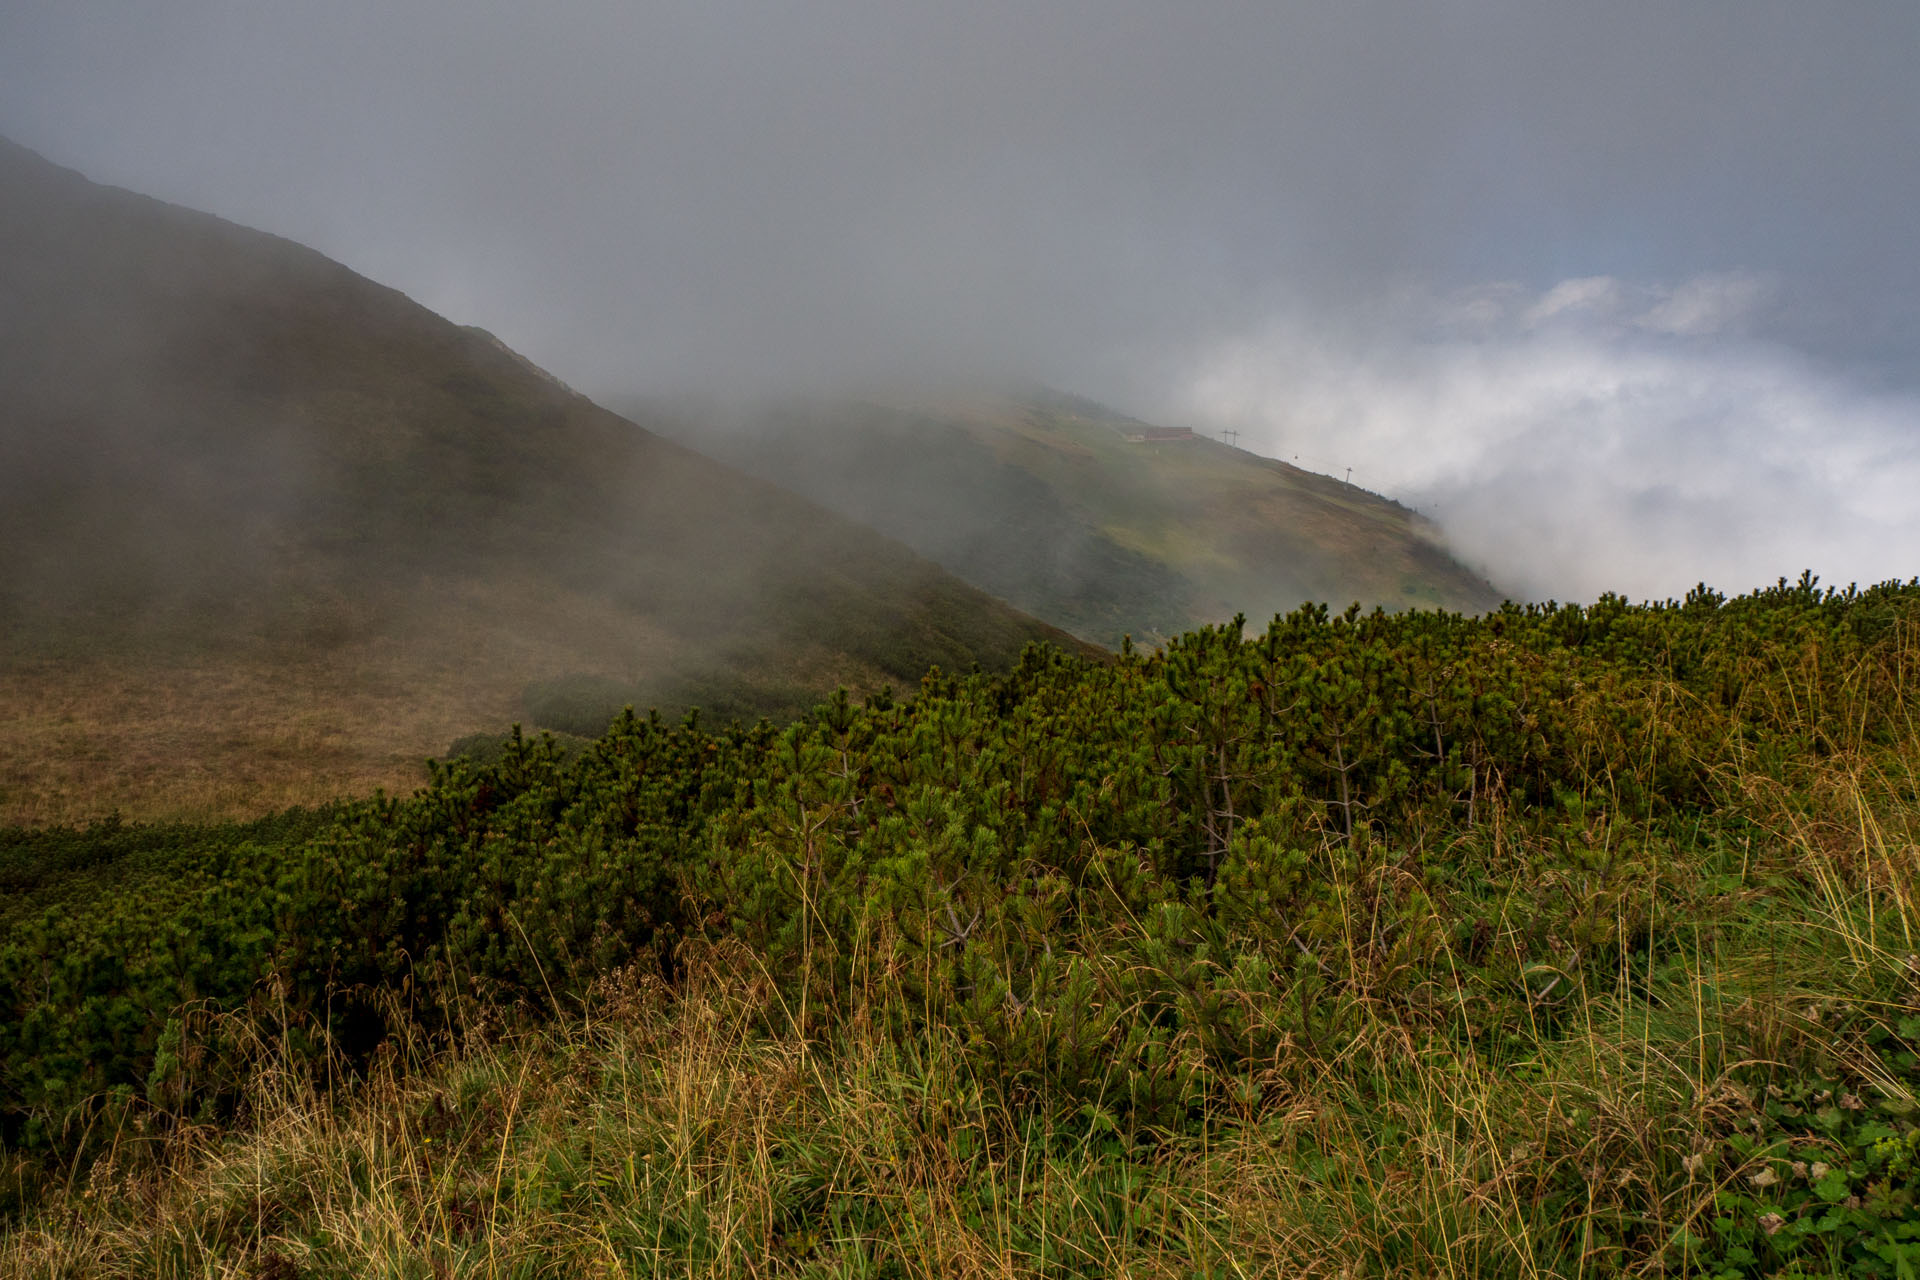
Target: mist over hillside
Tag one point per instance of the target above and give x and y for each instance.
(1099, 523)
(228, 463)
(1624, 299)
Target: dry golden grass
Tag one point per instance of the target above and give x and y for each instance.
(204, 741)
(668, 1133)
(195, 733)
(265, 724)
(667, 1137)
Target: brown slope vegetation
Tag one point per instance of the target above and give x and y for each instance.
(271, 526)
(1046, 502)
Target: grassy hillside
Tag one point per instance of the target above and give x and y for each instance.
(1557, 943)
(301, 519)
(1045, 502)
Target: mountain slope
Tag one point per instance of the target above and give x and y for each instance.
(1059, 507)
(263, 515)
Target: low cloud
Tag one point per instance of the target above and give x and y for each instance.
(1707, 305)
(729, 198)
(1600, 435)
(1716, 303)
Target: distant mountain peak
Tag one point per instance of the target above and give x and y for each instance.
(1097, 521)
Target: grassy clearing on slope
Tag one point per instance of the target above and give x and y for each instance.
(201, 732)
(277, 716)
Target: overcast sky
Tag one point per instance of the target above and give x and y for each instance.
(1627, 297)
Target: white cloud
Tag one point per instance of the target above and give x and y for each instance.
(1583, 455)
(1591, 294)
(1706, 305)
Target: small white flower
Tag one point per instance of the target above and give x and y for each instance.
(1764, 1178)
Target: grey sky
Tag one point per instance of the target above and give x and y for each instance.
(1209, 210)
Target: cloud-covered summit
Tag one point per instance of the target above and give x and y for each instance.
(1598, 435)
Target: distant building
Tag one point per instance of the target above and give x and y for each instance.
(1149, 435)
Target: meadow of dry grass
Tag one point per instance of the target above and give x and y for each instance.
(204, 733)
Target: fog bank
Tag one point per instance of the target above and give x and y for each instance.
(1597, 436)
(1688, 227)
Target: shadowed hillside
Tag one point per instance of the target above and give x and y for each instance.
(1097, 522)
(318, 531)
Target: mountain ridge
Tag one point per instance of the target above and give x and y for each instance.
(229, 464)
(1091, 519)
